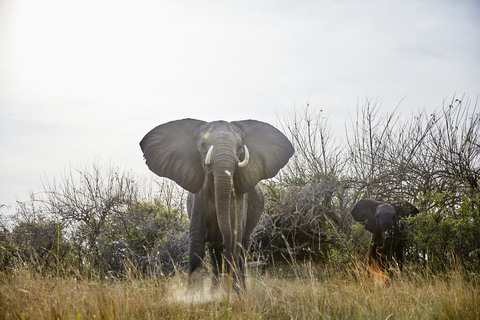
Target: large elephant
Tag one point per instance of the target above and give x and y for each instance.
(220, 164)
(384, 222)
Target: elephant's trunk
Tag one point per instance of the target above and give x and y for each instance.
(224, 162)
(387, 244)
(223, 193)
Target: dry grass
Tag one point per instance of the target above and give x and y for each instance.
(306, 292)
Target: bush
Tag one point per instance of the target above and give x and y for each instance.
(151, 235)
(449, 226)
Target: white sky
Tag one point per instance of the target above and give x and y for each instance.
(86, 80)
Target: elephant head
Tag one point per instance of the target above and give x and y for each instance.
(214, 161)
(187, 150)
(383, 221)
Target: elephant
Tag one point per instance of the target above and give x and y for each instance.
(384, 222)
(220, 164)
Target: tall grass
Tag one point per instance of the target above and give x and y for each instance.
(299, 291)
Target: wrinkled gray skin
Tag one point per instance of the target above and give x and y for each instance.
(383, 221)
(220, 190)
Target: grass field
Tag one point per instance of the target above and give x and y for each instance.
(296, 292)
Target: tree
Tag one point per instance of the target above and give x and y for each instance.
(431, 160)
(84, 200)
(306, 210)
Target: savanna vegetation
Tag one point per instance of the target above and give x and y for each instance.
(100, 243)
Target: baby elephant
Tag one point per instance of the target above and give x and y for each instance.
(383, 221)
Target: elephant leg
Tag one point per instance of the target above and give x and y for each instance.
(195, 270)
(399, 254)
(241, 235)
(256, 203)
(382, 260)
(232, 236)
(235, 268)
(196, 248)
(216, 258)
(372, 252)
(195, 273)
(240, 270)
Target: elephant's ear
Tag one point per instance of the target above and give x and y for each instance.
(404, 209)
(170, 150)
(364, 211)
(269, 151)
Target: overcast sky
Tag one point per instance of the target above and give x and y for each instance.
(86, 80)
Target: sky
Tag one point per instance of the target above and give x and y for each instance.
(84, 81)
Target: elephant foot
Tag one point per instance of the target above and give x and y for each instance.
(195, 283)
(217, 284)
(238, 284)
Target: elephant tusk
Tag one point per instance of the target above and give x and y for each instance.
(247, 157)
(209, 154)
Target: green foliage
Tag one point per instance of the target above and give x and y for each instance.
(40, 242)
(150, 223)
(448, 225)
(353, 247)
(357, 242)
(146, 235)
